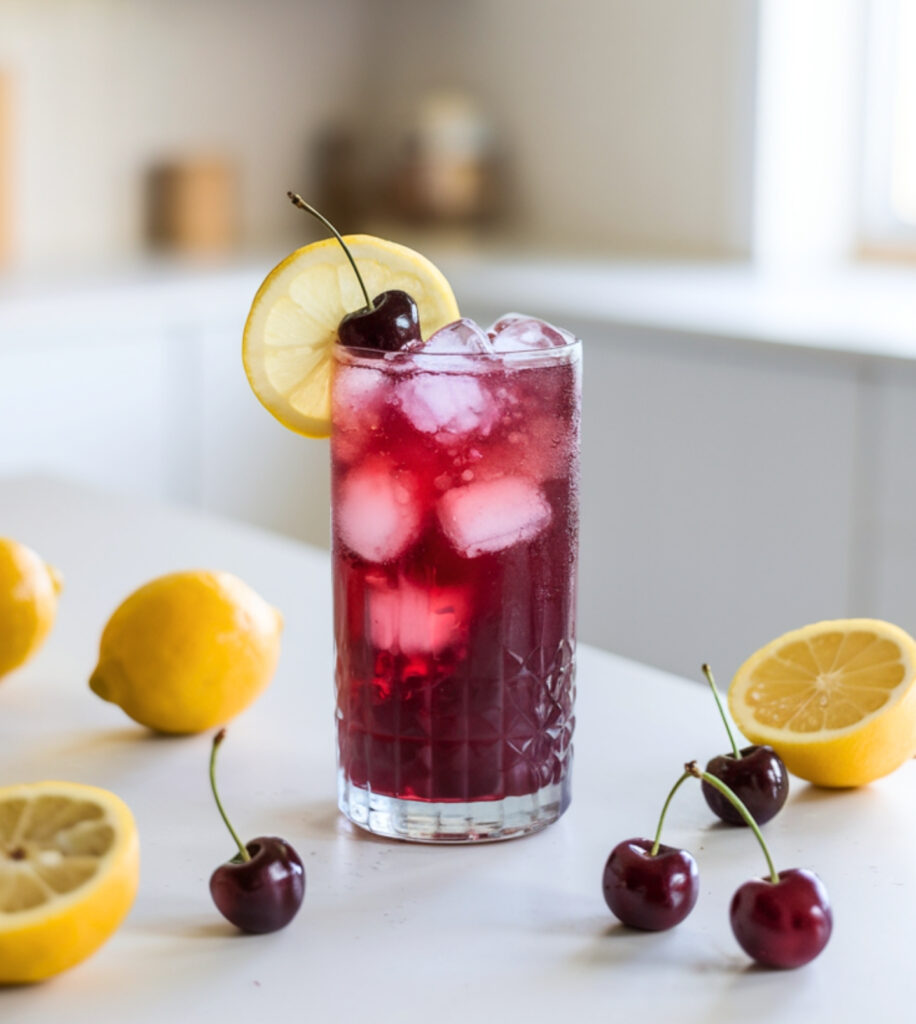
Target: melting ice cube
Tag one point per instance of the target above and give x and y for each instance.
(516, 332)
(416, 620)
(493, 515)
(377, 513)
(463, 337)
(358, 397)
(447, 404)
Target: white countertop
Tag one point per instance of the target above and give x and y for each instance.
(862, 310)
(392, 932)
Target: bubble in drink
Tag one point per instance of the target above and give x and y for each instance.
(516, 332)
(377, 512)
(493, 515)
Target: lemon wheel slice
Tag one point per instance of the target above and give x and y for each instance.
(292, 326)
(836, 700)
(69, 867)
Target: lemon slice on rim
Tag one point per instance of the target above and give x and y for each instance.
(292, 326)
(836, 700)
(69, 867)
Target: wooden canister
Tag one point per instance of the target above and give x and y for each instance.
(191, 205)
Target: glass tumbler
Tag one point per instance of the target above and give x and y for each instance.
(455, 533)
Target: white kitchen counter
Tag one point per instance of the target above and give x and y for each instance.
(861, 310)
(391, 932)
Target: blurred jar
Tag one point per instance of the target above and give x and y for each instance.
(447, 173)
(191, 205)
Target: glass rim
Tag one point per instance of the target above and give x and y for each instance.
(353, 355)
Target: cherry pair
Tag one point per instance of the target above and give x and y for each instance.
(780, 921)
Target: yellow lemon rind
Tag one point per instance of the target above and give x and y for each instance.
(188, 651)
(29, 591)
(41, 942)
(385, 265)
(851, 756)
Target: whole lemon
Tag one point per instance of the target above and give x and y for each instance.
(188, 651)
(28, 603)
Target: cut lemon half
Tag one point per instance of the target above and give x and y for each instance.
(836, 700)
(69, 867)
(292, 326)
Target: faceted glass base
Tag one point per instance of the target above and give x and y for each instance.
(421, 821)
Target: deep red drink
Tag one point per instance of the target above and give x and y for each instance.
(455, 513)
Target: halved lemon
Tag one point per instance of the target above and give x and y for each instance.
(69, 868)
(292, 326)
(836, 700)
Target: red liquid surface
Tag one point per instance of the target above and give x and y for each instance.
(455, 523)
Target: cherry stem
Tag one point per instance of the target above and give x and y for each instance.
(707, 671)
(693, 769)
(299, 202)
(661, 820)
(217, 740)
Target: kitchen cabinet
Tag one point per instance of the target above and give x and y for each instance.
(886, 543)
(717, 493)
(95, 411)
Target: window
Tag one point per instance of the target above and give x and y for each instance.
(889, 173)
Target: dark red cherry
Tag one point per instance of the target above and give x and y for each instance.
(650, 892)
(783, 924)
(758, 778)
(389, 325)
(388, 322)
(262, 887)
(262, 894)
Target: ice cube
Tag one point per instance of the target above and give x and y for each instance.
(447, 404)
(358, 396)
(516, 332)
(377, 511)
(412, 619)
(463, 337)
(492, 515)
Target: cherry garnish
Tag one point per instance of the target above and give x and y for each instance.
(781, 921)
(261, 888)
(648, 885)
(782, 924)
(756, 775)
(389, 325)
(387, 322)
(650, 890)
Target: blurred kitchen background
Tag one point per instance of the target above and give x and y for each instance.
(719, 196)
